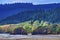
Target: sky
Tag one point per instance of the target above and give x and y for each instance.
(29, 1)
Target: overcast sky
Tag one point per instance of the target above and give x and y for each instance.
(29, 1)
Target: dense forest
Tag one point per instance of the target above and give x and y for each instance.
(12, 9)
(51, 15)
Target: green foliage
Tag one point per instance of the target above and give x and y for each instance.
(1, 31)
(36, 24)
(9, 30)
(50, 28)
(58, 28)
(27, 27)
(43, 24)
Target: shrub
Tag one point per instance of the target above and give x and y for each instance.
(11, 28)
(1, 31)
(20, 31)
(42, 29)
(58, 28)
(50, 28)
(36, 24)
(27, 27)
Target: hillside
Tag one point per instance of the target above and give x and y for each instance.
(12, 9)
(51, 15)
